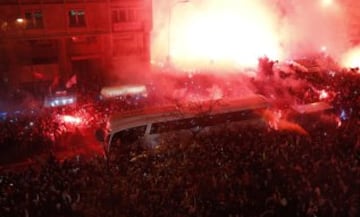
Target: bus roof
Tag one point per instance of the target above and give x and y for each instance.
(135, 118)
(312, 107)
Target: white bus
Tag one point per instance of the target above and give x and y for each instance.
(147, 125)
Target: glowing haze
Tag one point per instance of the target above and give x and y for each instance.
(351, 58)
(235, 33)
(227, 33)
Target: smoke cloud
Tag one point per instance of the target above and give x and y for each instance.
(235, 33)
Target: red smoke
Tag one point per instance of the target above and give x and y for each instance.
(232, 34)
(277, 121)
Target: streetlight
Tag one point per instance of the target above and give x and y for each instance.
(171, 6)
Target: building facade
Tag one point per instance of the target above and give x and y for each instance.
(52, 40)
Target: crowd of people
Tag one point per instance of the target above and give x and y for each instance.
(251, 170)
(34, 131)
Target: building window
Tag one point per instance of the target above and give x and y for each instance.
(34, 20)
(127, 46)
(123, 15)
(77, 18)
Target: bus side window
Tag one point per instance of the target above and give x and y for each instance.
(235, 116)
(168, 126)
(130, 135)
(201, 121)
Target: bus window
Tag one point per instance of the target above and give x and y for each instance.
(168, 126)
(201, 121)
(131, 135)
(233, 117)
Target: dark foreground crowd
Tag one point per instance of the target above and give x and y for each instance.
(247, 171)
(250, 171)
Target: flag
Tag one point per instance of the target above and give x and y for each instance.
(71, 82)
